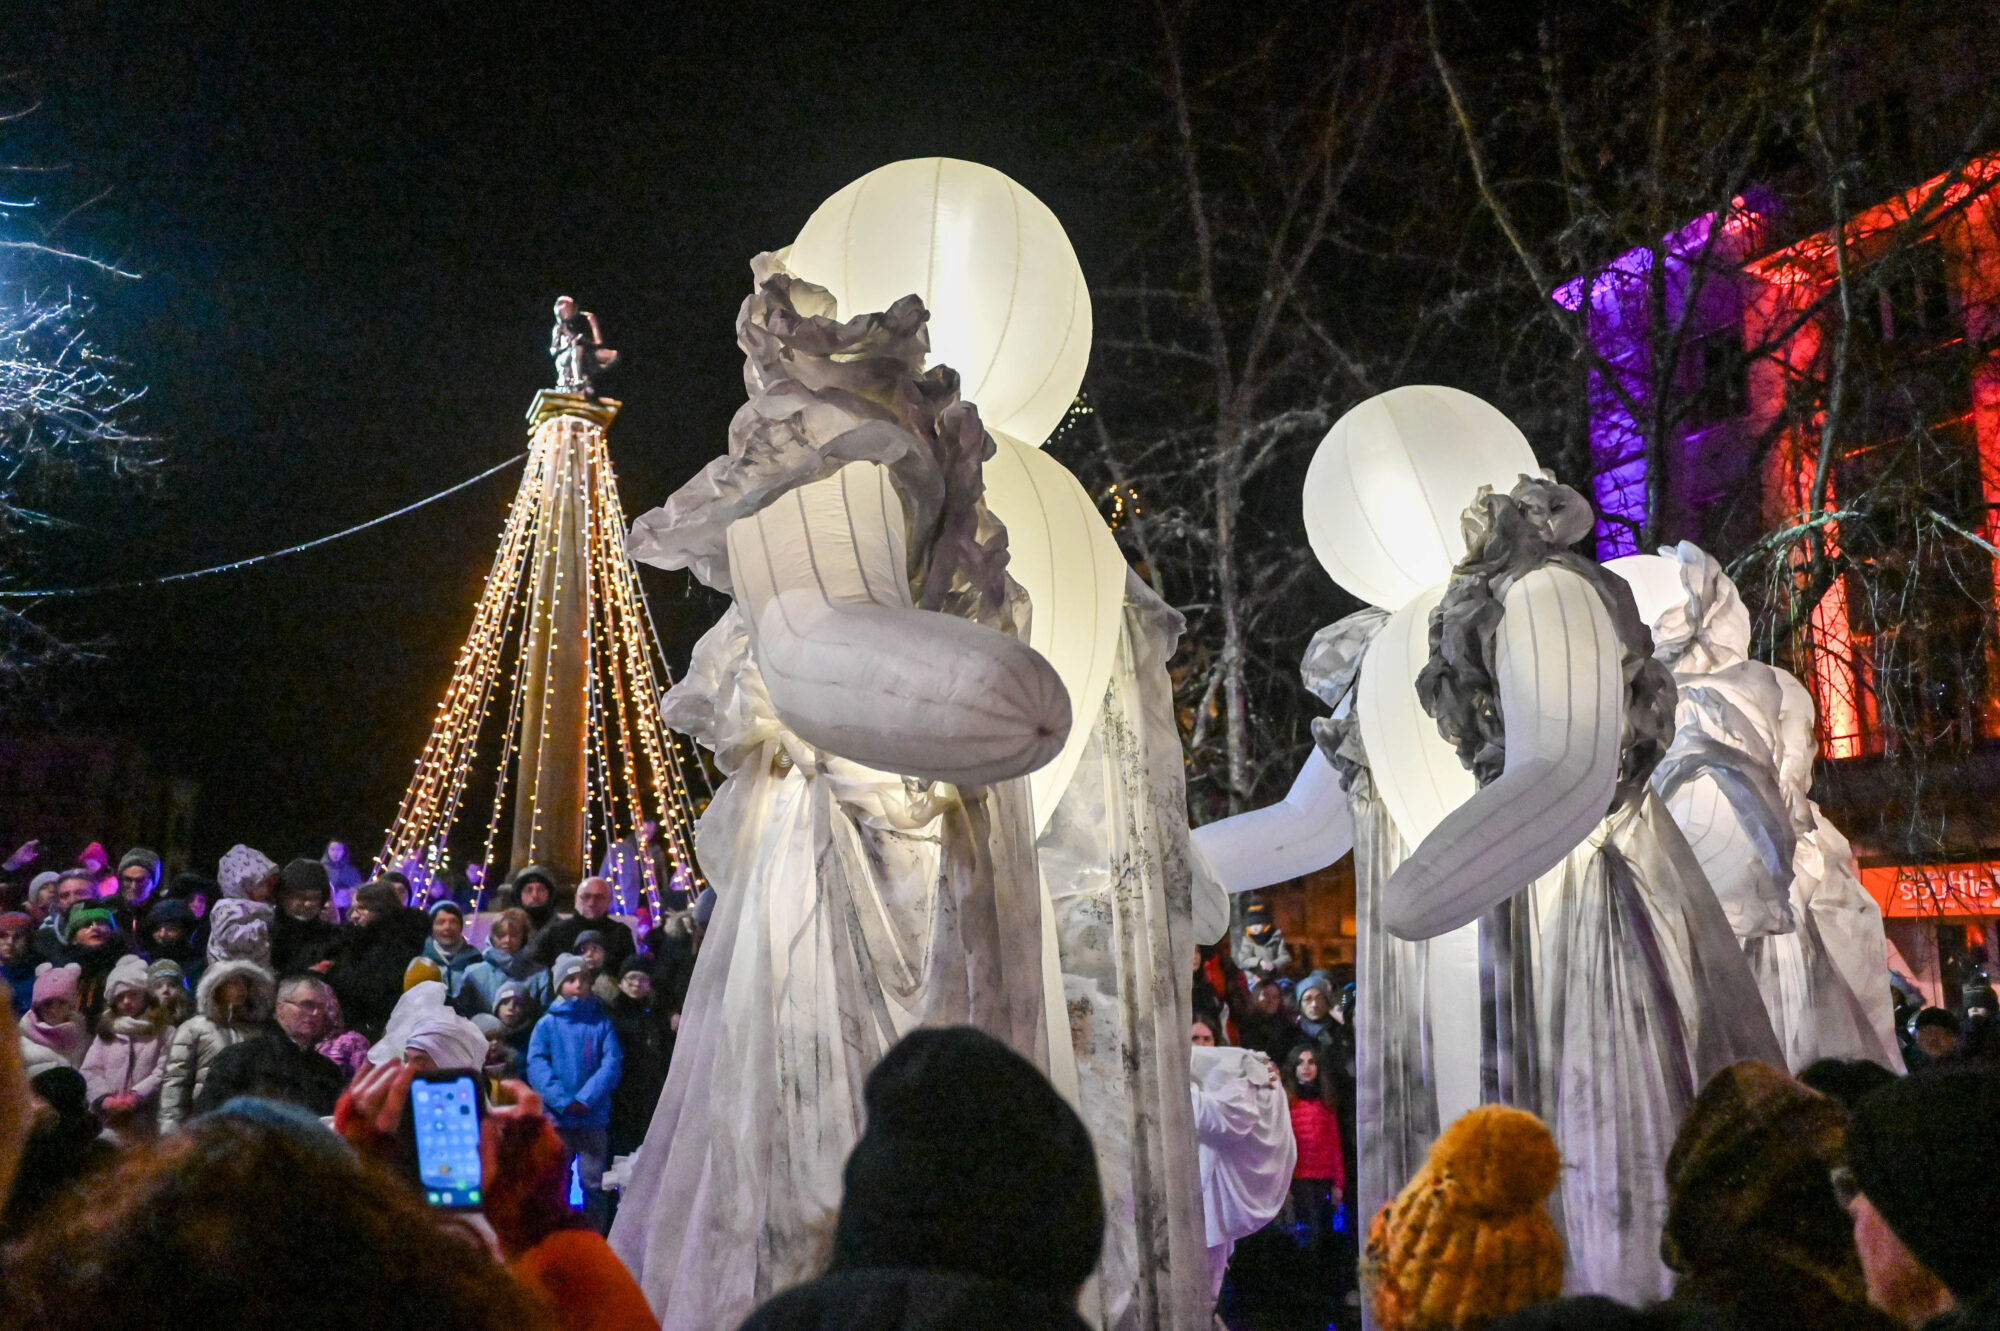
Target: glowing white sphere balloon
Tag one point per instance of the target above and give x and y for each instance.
(1386, 489)
(1067, 560)
(1655, 581)
(1009, 308)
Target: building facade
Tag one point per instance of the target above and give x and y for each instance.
(1822, 412)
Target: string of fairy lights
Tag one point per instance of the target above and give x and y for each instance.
(634, 767)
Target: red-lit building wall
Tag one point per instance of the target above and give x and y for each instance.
(1787, 337)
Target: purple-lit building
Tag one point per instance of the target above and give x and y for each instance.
(1704, 459)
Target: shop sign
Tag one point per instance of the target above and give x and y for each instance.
(1928, 890)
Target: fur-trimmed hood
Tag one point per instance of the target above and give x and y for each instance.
(263, 991)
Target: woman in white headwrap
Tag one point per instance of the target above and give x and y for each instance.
(423, 1030)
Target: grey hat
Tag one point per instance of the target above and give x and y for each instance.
(568, 964)
(587, 937)
(488, 1024)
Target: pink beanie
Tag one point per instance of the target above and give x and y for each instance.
(53, 981)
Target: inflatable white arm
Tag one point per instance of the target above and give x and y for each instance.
(856, 669)
(1308, 829)
(1557, 659)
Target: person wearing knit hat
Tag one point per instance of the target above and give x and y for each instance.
(63, 1147)
(54, 1033)
(138, 875)
(1754, 1233)
(167, 932)
(302, 936)
(240, 930)
(1469, 1239)
(972, 1195)
(167, 982)
(1922, 1182)
(645, 1029)
(574, 1063)
(41, 893)
(95, 945)
(127, 1062)
(17, 957)
(447, 946)
(246, 874)
(519, 1006)
(566, 965)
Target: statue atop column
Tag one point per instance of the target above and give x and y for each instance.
(578, 347)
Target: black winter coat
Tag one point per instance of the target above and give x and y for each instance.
(368, 965)
(271, 1067)
(300, 945)
(561, 936)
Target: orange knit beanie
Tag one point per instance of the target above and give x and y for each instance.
(1470, 1239)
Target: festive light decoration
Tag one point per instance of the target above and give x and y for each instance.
(563, 618)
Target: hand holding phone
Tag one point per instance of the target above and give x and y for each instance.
(446, 1109)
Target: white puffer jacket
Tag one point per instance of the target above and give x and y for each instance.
(209, 1032)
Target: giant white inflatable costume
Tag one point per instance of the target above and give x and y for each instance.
(1737, 780)
(1382, 503)
(1605, 983)
(1009, 310)
(871, 704)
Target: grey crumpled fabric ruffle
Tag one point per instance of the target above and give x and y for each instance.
(824, 393)
(1331, 668)
(1508, 537)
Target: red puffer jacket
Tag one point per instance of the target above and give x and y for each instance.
(1317, 1129)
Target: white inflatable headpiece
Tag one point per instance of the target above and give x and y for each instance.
(1009, 309)
(1697, 616)
(1391, 480)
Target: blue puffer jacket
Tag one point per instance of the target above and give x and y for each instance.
(479, 984)
(574, 1056)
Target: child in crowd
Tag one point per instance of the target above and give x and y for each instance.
(53, 1034)
(518, 1009)
(168, 986)
(232, 1003)
(506, 960)
(574, 1062)
(590, 947)
(126, 1063)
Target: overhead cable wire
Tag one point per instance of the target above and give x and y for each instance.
(234, 564)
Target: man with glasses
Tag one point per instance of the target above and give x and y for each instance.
(282, 1064)
(138, 875)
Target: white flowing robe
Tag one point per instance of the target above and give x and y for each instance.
(1115, 861)
(853, 905)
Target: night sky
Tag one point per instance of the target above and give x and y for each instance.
(351, 223)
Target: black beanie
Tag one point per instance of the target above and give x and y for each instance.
(1926, 1152)
(304, 875)
(972, 1163)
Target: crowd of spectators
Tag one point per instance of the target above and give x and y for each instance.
(146, 1005)
(203, 1087)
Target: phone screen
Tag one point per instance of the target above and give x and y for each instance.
(446, 1117)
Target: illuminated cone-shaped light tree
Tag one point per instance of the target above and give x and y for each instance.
(564, 621)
